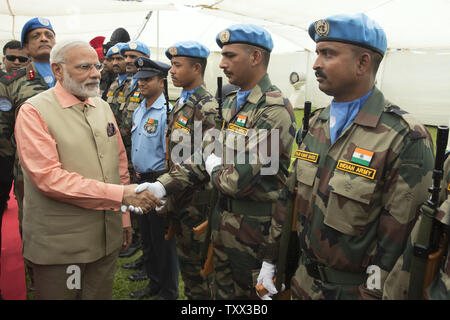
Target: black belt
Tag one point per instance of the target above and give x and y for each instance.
(248, 207)
(150, 176)
(327, 274)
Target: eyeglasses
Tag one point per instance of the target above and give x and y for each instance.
(13, 58)
(86, 67)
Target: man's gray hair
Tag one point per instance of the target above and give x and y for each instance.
(58, 53)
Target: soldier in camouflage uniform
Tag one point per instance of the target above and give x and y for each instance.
(131, 100)
(397, 283)
(118, 89)
(38, 38)
(244, 217)
(362, 169)
(189, 208)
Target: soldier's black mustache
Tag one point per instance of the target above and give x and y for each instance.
(320, 74)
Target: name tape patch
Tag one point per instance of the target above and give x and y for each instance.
(307, 156)
(356, 169)
(237, 129)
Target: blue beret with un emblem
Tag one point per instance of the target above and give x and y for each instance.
(147, 68)
(135, 46)
(115, 49)
(245, 33)
(35, 23)
(357, 29)
(188, 49)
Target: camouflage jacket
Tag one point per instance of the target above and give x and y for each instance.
(132, 100)
(17, 87)
(116, 94)
(202, 107)
(397, 284)
(243, 181)
(356, 211)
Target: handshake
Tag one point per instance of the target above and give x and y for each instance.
(144, 197)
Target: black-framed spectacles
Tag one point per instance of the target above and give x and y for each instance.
(12, 58)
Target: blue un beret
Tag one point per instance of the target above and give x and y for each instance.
(147, 68)
(35, 23)
(188, 49)
(115, 49)
(135, 46)
(357, 29)
(245, 33)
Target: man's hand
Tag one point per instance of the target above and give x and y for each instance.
(211, 162)
(144, 200)
(127, 238)
(266, 278)
(155, 188)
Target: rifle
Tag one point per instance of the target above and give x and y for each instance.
(208, 266)
(170, 231)
(431, 243)
(289, 246)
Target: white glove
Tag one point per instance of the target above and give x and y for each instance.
(211, 162)
(131, 208)
(265, 276)
(155, 187)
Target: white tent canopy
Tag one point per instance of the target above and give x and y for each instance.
(415, 73)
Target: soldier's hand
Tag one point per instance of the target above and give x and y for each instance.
(144, 200)
(155, 188)
(265, 277)
(127, 238)
(211, 162)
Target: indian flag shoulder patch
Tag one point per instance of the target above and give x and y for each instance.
(183, 120)
(241, 120)
(136, 94)
(362, 157)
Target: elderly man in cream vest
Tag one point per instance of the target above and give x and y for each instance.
(75, 179)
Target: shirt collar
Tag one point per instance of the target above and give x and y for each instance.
(67, 99)
(158, 104)
(370, 112)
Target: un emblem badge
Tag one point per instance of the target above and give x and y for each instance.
(44, 21)
(133, 46)
(115, 50)
(224, 36)
(322, 27)
(173, 51)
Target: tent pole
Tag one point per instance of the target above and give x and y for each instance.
(13, 18)
(157, 35)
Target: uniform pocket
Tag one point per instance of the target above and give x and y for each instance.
(348, 207)
(305, 174)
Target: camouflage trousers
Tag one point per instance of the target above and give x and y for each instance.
(238, 241)
(190, 250)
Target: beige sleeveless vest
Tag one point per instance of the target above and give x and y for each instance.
(55, 232)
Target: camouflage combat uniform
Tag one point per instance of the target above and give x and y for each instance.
(189, 208)
(242, 223)
(132, 99)
(351, 216)
(116, 94)
(17, 87)
(397, 283)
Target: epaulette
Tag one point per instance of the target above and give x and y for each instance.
(274, 98)
(231, 92)
(417, 129)
(13, 76)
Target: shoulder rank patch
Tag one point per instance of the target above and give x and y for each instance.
(356, 169)
(307, 156)
(11, 77)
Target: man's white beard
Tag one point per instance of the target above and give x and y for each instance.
(79, 89)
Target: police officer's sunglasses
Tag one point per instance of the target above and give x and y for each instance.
(13, 58)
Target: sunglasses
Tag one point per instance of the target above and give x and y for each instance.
(13, 58)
